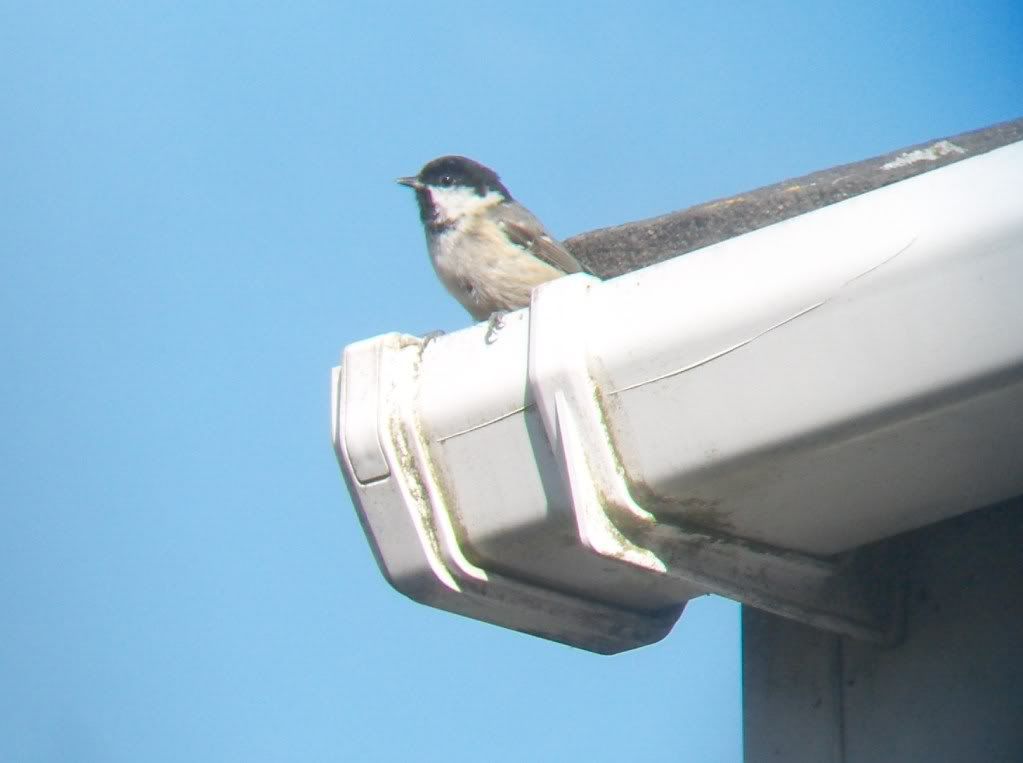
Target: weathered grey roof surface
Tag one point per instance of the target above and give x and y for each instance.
(608, 252)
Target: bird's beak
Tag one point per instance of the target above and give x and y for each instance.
(411, 182)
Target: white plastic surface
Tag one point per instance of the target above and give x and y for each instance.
(362, 390)
(413, 527)
(833, 379)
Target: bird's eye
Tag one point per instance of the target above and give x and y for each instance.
(447, 180)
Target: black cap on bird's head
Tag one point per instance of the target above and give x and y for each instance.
(455, 172)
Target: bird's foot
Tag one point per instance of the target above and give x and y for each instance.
(427, 338)
(494, 324)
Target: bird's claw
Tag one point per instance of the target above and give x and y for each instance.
(494, 324)
(429, 337)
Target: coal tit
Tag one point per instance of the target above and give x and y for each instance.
(488, 250)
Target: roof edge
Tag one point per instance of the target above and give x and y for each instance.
(609, 252)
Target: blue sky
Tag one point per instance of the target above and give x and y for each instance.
(197, 212)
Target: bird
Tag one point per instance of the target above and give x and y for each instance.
(488, 250)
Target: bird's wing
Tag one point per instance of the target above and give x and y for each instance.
(523, 229)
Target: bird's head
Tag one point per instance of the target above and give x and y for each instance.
(452, 187)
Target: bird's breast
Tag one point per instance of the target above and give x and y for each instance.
(483, 270)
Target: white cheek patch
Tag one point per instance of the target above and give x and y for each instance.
(454, 204)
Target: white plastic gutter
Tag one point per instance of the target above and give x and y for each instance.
(734, 421)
